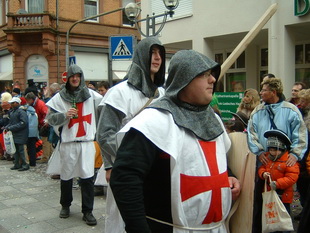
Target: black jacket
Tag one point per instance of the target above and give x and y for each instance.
(18, 125)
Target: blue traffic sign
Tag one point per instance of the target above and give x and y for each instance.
(121, 47)
(72, 60)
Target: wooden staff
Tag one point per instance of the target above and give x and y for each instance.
(248, 39)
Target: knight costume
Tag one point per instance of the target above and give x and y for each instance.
(170, 173)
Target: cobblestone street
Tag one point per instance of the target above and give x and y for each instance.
(29, 202)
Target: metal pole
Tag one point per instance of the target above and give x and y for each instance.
(80, 21)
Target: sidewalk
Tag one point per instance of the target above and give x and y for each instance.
(29, 203)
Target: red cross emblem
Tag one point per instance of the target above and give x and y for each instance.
(80, 120)
(194, 185)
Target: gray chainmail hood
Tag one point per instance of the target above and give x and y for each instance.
(81, 93)
(184, 66)
(139, 73)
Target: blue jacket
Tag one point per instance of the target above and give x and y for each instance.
(287, 118)
(32, 122)
(18, 125)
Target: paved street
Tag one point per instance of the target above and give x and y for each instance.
(29, 202)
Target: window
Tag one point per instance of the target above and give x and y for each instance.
(184, 9)
(235, 78)
(35, 6)
(3, 11)
(302, 63)
(126, 21)
(91, 8)
(263, 69)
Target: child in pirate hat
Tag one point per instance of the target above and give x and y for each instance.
(283, 177)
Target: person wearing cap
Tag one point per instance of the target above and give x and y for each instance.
(41, 110)
(73, 112)
(273, 113)
(92, 85)
(4, 120)
(170, 173)
(31, 88)
(283, 176)
(18, 125)
(17, 93)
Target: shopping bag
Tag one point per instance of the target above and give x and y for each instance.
(9, 143)
(100, 179)
(53, 166)
(274, 215)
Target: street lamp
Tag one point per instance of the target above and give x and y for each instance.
(85, 19)
(132, 11)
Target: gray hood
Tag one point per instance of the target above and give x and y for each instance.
(139, 72)
(81, 93)
(184, 66)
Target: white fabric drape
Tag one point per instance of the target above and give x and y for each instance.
(35, 6)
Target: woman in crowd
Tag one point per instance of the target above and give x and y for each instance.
(249, 101)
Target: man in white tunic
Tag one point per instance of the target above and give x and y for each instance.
(170, 174)
(142, 85)
(72, 113)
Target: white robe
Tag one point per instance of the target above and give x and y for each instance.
(77, 149)
(195, 177)
(129, 101)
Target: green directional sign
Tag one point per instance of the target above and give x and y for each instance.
(228, 102)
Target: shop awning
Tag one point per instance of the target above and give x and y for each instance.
(6, 76)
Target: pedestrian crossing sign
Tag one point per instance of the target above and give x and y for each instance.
(121, 47)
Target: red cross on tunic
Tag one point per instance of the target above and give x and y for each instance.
(194, 185)
(80, 120)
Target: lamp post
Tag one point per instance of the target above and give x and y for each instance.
(132, 11)
(80, 21)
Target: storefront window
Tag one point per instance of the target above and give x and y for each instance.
(302, 60)
(299, 54)
(307, 55)
(264, 57)
(235, 82)
(303, 75)
(219, 58)
(241, 61)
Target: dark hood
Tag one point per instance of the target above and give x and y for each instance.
(184, 66)
(139, 72)
(81, 93)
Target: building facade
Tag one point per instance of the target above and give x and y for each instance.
(216, 27)
(33, 38)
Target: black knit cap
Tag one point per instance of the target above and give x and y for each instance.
(16, 90)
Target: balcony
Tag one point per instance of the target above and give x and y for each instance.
(26, 29)
(30, 22)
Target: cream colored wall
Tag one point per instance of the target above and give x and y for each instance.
(214, 18)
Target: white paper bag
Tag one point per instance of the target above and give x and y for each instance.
(274, 215)
(100, 179)
(53, 167)
(9, 143)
